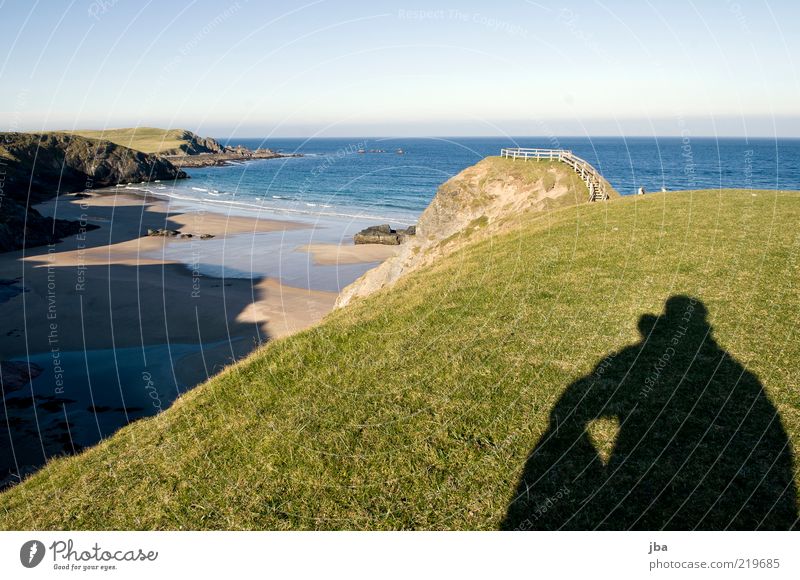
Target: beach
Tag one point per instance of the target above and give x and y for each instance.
(116, 323)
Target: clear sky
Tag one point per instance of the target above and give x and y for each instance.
(255, 68)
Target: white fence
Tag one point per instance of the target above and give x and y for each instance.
(590, 176)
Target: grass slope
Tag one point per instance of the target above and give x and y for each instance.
(419, 406)
(144, 139)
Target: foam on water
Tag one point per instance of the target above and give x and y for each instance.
(333, 179)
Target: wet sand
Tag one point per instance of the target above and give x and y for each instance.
(105, 289)
(137, 250)
(115, 324)
(334, 254)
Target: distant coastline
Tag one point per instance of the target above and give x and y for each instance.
(230, 156)
(36, 167)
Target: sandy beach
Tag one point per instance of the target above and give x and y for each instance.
(114, 211)
(113, 284)
(115, 323)
(333, 254)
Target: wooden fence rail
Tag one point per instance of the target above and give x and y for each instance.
(588, 174)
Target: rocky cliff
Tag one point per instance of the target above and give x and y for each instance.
(25, 227)
(40, 165)
(37, 166)
(481, 200)
(194, 145)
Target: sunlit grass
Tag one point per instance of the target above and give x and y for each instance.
(145, 139)
(418, 407)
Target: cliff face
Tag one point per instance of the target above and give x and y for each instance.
(47, 164)
(36, 167)
(481, 200)
(194, 145)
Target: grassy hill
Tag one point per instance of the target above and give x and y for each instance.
(483, 200)
(153, 140)
(420, 406)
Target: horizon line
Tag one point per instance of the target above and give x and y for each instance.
(719, 137)
(431, 136)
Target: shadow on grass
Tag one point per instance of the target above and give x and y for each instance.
(669, 433)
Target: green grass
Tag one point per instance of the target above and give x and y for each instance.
(145, 139)
(419, 407)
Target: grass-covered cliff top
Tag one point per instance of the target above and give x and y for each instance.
(483, 200)
(419, 407)
(41, 165)
(150, 140)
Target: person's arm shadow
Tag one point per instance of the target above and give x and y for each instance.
(564, 468)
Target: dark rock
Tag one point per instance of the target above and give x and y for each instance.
(186, 235)
(19, 403)
(8, 290)
(22, 227)
(165, 233)
(227, 156)
(17, 374)
(206, 236)
(37, 166)
(195, 145)
(59, 163)
(52, 403)
(383, 234)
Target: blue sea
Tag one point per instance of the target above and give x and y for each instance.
(381, 184)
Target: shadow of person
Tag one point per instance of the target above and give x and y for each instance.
(669, 433)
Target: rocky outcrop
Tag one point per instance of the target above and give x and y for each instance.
(482, 200)
(383, 234)
(41, 165)
(25, 227)
(196, 145)
(163, 233)
(229, 156)
(37, 166)
(167, 233)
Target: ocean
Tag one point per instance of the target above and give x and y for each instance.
(333, 179)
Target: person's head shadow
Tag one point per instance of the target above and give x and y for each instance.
(669, 433)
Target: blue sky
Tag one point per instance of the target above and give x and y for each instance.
(250, 68)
